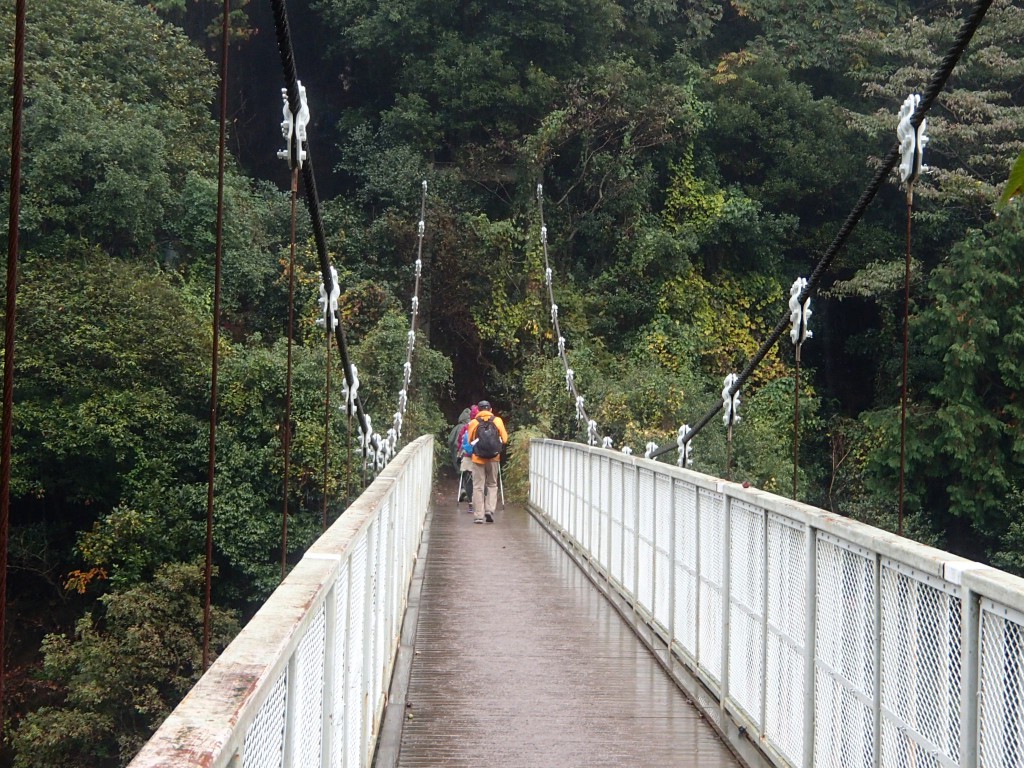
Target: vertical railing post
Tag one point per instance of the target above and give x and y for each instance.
(970, 660)
(635, 592)
(810, 644)
(365, 716)
(575, 516)
(877, 697)
(654, 544)
(291, 724)
(327, 714)
(544, 461)
(565, 512)
(347, 696)
(554, 461)
(391, 599)
(726, 594)
(764, 621)
(588, 511)
(538, 475)
(611, 523)
(622, 523)
(697, 560)
(671, 553)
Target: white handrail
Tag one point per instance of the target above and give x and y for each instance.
(304, 683)
(808, 638)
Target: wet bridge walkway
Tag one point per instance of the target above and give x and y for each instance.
(518, 661)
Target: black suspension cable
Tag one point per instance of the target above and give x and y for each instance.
(419, 270)
(13, 225)
(286, 437)
(570, 379)
(327, 428)
(935, 86)
(218, 258)
(284, 45)
(403, 399)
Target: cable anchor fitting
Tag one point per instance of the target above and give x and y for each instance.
(329, 304)
(799, 313)
(685, 444)
(912, 143)
(293, 128)
(731, 403)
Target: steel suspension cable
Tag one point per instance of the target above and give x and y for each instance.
(327, 428)
(935, 86)
(13, 225)
(284, 45)
(286, 438)
(403, 396)
(570, 378)
(218, 259)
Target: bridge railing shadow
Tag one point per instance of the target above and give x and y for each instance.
(807, 638)
(304, 682)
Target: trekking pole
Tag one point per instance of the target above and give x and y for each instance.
(458, 496)
(501, 487)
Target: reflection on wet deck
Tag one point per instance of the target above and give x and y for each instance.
(520, 661)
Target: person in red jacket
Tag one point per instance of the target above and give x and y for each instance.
(488, 437)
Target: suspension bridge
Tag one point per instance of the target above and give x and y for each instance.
(631, 612)
(763, 632)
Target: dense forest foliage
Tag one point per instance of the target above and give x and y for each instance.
(696, 157)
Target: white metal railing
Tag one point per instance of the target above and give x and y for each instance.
(810, 639)
(304, 682)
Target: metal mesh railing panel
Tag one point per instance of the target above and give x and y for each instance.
(1001, 688)
(645, 540)
(309, 693)
(338, 722)
(598, 480)
(569, 504)
(663, 551)
(582, 521)
(920, 666)
(785, 655)
(561, 483)
(354, 696)
(372, 638)
(685, 551)
(294, 688)
(594, 512)
(746, 607)
(844, 679)
(886, 678)
(615, 564)
(264, 741)
(629, 524)
(557, 510)
(898, 747)
(711, 523)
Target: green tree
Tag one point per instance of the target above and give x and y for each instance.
(109, 390)
(116, 115)
(975, 125)
(127, 666)
(445, 74)
(965, 444)
(775, 141)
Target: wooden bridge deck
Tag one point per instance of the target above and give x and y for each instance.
(519, 662)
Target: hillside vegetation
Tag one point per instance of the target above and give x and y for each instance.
(696, 158)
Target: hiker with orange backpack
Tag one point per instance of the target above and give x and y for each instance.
(485, 440)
